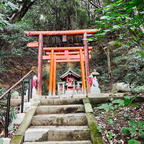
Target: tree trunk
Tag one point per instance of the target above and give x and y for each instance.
(96, 5)
(109, 63)
(17, 16)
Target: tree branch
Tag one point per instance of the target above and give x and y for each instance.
(24, 7)
(136, 13)
(94, 4)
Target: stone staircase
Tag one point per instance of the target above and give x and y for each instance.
(58, 121)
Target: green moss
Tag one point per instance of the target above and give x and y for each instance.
(95, 134)
(88, 108)
(17, 140)
(86, 100)
(95, 101)
(93, 129)
(26, 122)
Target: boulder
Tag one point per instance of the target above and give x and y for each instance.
(18, 119)
(36, 135)
(15, 102)
(121, 87)
(15, 95)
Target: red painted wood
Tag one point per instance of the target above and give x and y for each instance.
(63, 53)
(86, 57)
(64, 48)
(71, 57)
(54, 77)
(33, 44)
(64, 56)
(82, 70)
(51, 72)
(39, 81)
(68, 32)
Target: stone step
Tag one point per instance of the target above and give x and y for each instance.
(77, 108)
(60, 101)
(61, 142)
(75, 119)
(57, 133)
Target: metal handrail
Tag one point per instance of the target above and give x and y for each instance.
(16, 84)
(29, 75)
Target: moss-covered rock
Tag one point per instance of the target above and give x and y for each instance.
(19, 135)
(95, 134)
(17, 140)
(87, 105)
(86, 100)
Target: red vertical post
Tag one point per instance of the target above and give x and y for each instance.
(86, 55)
(82, 71)
(54, 76)
(51, 73)
(39, 81)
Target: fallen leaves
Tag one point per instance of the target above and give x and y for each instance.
(112, 122)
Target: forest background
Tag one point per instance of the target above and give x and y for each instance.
(118, 48)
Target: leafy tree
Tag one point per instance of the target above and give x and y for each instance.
(121, 39)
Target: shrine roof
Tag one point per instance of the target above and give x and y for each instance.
(70, 73)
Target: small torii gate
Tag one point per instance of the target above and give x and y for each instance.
(62, 54)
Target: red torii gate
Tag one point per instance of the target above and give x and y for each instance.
(76, 55)
(53, 56)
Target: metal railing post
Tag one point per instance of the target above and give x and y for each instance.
(22, 99)
(31, 87)
(7, 114)
(8, 93)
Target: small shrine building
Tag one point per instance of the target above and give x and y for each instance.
(71, 83)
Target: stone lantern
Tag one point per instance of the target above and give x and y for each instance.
(94, 83)
(95, 73)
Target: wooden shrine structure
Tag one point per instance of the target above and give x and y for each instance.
(71, 78)
(62, 54)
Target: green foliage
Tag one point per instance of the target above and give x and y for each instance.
(14, 54)
(134, 128)
(56, 15)
(6, 9)
(133, 141)
(108, 134)
(110, 121)
(13, 114)
(99, 128)
(82, 18)
(2, 90)
(10, 128)
(3, 111)
(105, 107)
(141, 53)
(120, 15)
(117, 103)
(121, 34)
(138, 89)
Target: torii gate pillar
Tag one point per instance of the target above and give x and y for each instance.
(40, 51)
(86, 61)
